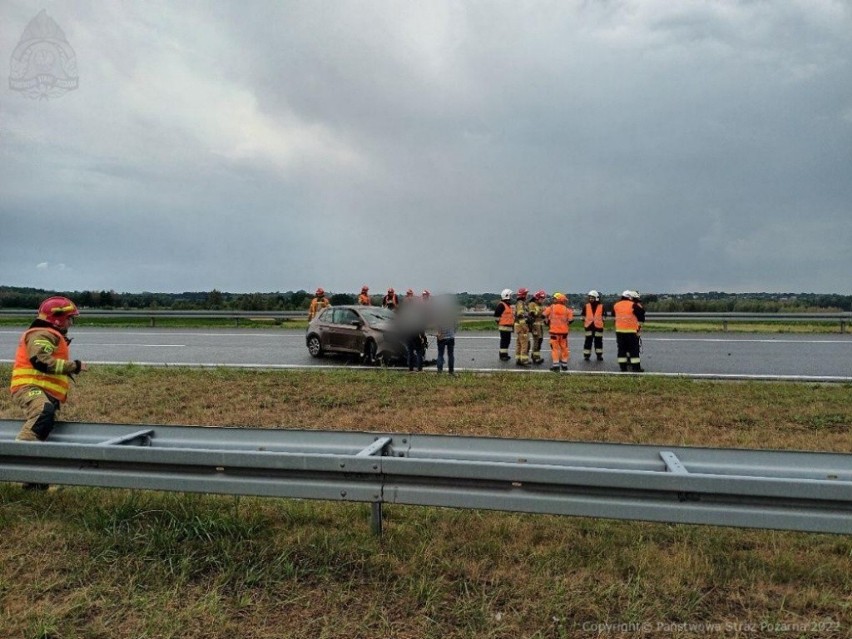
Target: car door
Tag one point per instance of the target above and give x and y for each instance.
(345, 335)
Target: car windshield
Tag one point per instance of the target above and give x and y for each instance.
(377, 316)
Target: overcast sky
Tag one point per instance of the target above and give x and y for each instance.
(461, 146)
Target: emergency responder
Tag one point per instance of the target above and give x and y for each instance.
(390, 300)
(522, 328)
(43, 370)
(536, 313)
(505, 318)
(593, 322)
(364, 297)
(317, 304)
(559, 316)
(629, 316)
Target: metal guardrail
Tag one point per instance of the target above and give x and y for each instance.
(801, 491)
(844, 319)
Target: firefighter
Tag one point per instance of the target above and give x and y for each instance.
(364, 297)
(390, 300)
(505, 318)
(317, 304)
(629, 316)
(593, 322)
(536, 310)
(43, 370)
(522, 328)
(559, 316)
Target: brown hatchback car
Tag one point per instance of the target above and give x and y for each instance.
(365, 331)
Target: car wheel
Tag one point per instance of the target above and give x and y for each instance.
(314, 346)
(370, 352)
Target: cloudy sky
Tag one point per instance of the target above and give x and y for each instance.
(461, 146)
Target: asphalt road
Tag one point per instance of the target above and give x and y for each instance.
(818, 357)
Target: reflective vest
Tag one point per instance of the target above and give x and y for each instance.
(508, 316)
(364, 300)
(593, 316)
(390, 301)
(559, 316)
(521, 312)
(625, 319)
(23, 374)
(317, 304)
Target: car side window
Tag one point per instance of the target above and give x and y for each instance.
(326, 315)
(343, 316)
(347, 316)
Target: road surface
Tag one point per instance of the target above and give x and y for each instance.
(818, 357)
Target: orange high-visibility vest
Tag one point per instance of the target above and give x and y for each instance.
(625, 319)
(559, 316)
(593, 316)
(508, 316)
(364, 300)
(23, 374)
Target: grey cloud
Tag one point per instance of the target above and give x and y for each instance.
(454, 146)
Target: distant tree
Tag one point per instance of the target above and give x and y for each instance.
(339, 299)
(214, 299)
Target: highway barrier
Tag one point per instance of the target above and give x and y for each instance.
(152, 315)
(799, 491)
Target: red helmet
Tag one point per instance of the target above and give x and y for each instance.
(365, 288)
(522, 292)
(57, 310)
(409, 293)
(390, 291)
(426, 293)
(540, 295)
(320, 292)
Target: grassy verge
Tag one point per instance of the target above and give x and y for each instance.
(109, 563)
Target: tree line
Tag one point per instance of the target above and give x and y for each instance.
(712, 302)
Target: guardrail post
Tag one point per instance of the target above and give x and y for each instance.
(376, 518)
(153, 321)
(842, 326)
(725, 326)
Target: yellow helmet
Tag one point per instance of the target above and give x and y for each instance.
(559, 297)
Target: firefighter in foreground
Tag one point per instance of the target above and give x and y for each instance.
(629, 316)
(522, 328)
(593, 322)
(536, 314)
(317, 304)
(559, 316)
(43, 369)
(505, 318)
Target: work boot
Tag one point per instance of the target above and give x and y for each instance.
(636, 368)
(623, 367)
(564, 367)
(554, 368)
(587, 357)
(522, 362)
(600, 358)
(504, 357)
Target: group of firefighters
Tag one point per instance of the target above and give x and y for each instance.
(530, 314)
(390, 300)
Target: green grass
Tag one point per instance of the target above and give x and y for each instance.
(98, 563)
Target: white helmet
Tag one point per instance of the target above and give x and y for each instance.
(628, 294)
(506, 294)
(593, 293)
